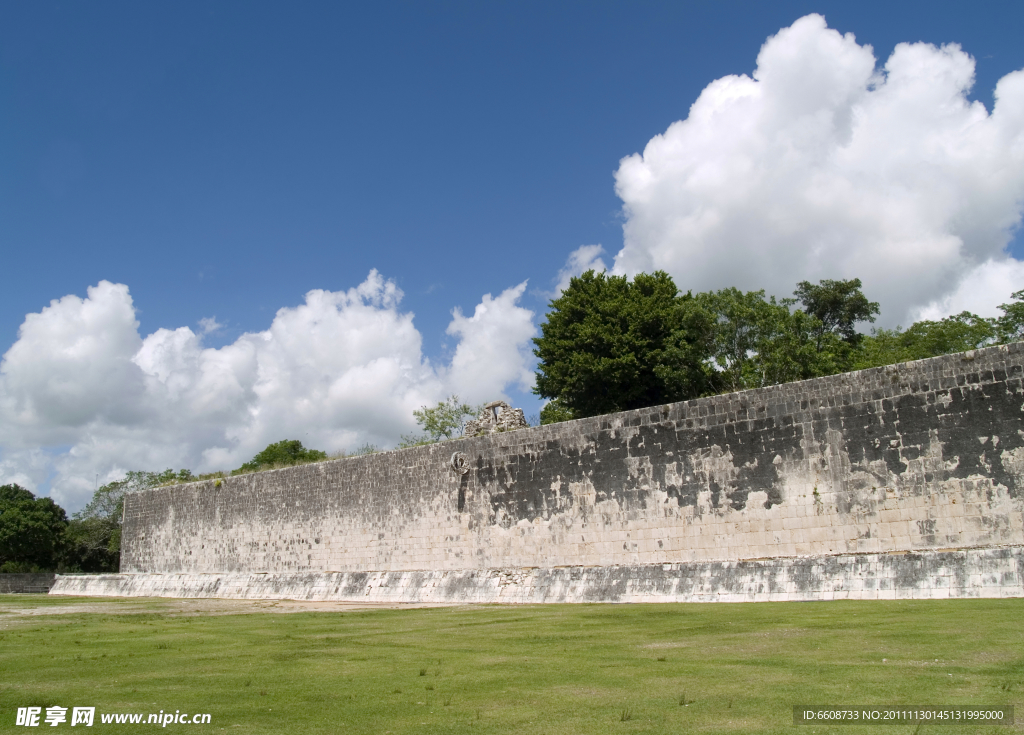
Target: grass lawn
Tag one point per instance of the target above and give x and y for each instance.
(587, 669)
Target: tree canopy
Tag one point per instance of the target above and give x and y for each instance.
(31, 531)
(838, 306)
(281, 454)
(1010, 326)
(957, 333)
(611, 344)
(757, 341)
(443, 421)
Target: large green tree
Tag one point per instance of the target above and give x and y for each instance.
(761, 341)
(31, 531)
(613, 344)
(838, 307)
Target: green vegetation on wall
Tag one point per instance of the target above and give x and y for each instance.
(281, 454)
(441, 422)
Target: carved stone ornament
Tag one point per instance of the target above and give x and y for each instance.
(457, 464)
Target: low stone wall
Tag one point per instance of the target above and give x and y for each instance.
(26, 583)
(994, 572)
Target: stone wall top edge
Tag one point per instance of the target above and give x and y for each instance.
(830, 385)
(269, 476)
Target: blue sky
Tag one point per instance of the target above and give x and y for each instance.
(223, 159)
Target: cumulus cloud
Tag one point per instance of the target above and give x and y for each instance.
(580, 260)
(340, 370)
(494, 347)
(988, 285)
(822, 165)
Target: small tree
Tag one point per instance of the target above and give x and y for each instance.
(838, 306)
(555, 412)
(94, 533)
(440, 423)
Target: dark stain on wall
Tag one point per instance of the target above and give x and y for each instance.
(888, 432)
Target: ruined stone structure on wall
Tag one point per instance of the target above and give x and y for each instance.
(903, 481)
(495, 417)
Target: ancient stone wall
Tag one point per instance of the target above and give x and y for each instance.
(926, 455)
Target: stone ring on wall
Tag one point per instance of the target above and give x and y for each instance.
(458, 463)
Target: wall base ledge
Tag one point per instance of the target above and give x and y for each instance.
(992, 572)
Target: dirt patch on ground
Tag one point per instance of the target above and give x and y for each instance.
(14, 606)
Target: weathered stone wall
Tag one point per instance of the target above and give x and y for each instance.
(918, 456)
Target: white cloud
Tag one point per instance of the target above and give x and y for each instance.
(23, 466)
(580, 260)
(980, 292)
(84, 394)
(72, 365)
(494, 348)
(209, 324)
(820, 165)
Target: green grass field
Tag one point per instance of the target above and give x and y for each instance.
(587, 669)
